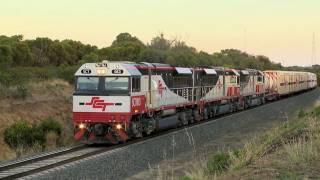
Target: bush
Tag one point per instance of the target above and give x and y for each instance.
(22, 75)
(218, 163)
(19, 134)
(67, 73)
(22, 134)
(50, 124)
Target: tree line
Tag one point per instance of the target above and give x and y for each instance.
(40, 52)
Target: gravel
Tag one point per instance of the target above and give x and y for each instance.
(225, 132)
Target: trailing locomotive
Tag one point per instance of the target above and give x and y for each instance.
(116, 101)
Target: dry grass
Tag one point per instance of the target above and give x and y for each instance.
(46, 99)
(289, 151)
(305, 148)
(51, 140)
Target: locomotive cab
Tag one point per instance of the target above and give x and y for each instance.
(106, 96)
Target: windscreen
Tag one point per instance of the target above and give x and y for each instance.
(104, 86)
(87, 84)
(116, 84)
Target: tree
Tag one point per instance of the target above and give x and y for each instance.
(124, 38)
(89, 58)
(22, 55)
(161, 43)
(57, 54)
(124, 48)
(40, 50)
(5, 56)
(154, 56)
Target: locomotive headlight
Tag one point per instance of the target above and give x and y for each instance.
(82, 126)
(101, 71)
(119, 126)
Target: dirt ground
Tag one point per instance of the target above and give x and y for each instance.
(45, 99)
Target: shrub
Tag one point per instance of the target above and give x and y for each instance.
(19, 134)
(22, 134)
(218, 163)
(50, 124)
(67, 73)
(22, 75)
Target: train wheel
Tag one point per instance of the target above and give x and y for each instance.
(183, 117)
(150, 125)
(196, 115)
(190, 117)
(136, 129)
(206, 113)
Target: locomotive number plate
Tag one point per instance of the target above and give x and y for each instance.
(86, 71)
(117, 71)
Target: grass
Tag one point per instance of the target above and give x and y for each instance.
(288, 151)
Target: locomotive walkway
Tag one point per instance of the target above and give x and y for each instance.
(125, 160)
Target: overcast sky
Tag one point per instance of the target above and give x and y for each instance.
(279, 29)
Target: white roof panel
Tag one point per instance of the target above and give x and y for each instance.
(210, 71)
(244, 72)
(181, 70)
(132, 70)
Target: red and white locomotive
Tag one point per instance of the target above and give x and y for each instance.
(116, 101)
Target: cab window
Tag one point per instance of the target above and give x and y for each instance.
(116, 84)
(87, 84)
(135, 84)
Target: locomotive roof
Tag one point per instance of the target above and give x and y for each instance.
(108, 69)
(250, 72)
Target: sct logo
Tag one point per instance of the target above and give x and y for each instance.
(97, 103)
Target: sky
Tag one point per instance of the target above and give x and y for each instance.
(280, 29)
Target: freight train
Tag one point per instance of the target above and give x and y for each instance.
(117, 101)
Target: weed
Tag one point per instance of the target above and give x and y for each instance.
(218, 163)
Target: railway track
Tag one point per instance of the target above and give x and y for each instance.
(46, 161)
(27, 166)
